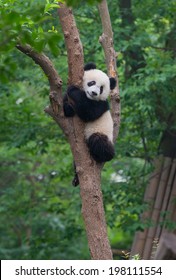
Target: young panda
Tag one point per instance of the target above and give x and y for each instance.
(91, 105)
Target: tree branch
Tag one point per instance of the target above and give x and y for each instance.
(73, 45)
(45, 63)
(106, 39)
(55, 83)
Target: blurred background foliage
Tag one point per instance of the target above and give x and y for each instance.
(40, 211)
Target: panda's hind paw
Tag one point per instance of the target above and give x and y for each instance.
(75, 181)
(100, 148)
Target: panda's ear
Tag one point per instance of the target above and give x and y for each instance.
(112, 83)
(89, 66)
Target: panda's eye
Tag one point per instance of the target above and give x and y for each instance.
(101, 89)
(92, 83)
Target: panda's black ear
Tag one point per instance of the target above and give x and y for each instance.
(89, 66)
(112, 83)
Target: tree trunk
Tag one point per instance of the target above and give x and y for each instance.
(133, 55)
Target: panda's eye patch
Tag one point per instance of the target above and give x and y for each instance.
(101, 89)
(92, 83)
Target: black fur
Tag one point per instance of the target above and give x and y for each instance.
(75, 181)
(76, 102)
(68, 107)
(87, 110)
(112, 83)
(89, 66)
(100, 148)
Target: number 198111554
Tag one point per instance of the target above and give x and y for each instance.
(135, 270)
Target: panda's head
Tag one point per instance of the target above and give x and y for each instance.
(96, 84)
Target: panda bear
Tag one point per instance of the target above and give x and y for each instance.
(91, 106)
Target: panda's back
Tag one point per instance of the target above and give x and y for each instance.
(103, 125)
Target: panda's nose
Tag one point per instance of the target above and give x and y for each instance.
(94, 93)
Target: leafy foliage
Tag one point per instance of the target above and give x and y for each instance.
(39, 210)
(75, 3)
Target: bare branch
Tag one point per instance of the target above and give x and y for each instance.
(55, 83)
(73, 45)
(45, 63)
(106, 40)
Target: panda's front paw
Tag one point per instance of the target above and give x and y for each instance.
(68, 110)
(72, 90)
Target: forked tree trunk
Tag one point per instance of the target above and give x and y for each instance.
(88, 170)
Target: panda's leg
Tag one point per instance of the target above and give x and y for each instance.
(75, 181)
(100, 147)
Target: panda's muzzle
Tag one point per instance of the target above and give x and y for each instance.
(94, 93)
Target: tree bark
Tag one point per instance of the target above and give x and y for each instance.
(167, 247)
(106, 39)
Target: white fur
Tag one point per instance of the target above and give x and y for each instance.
(101, 79)
(103, 125)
